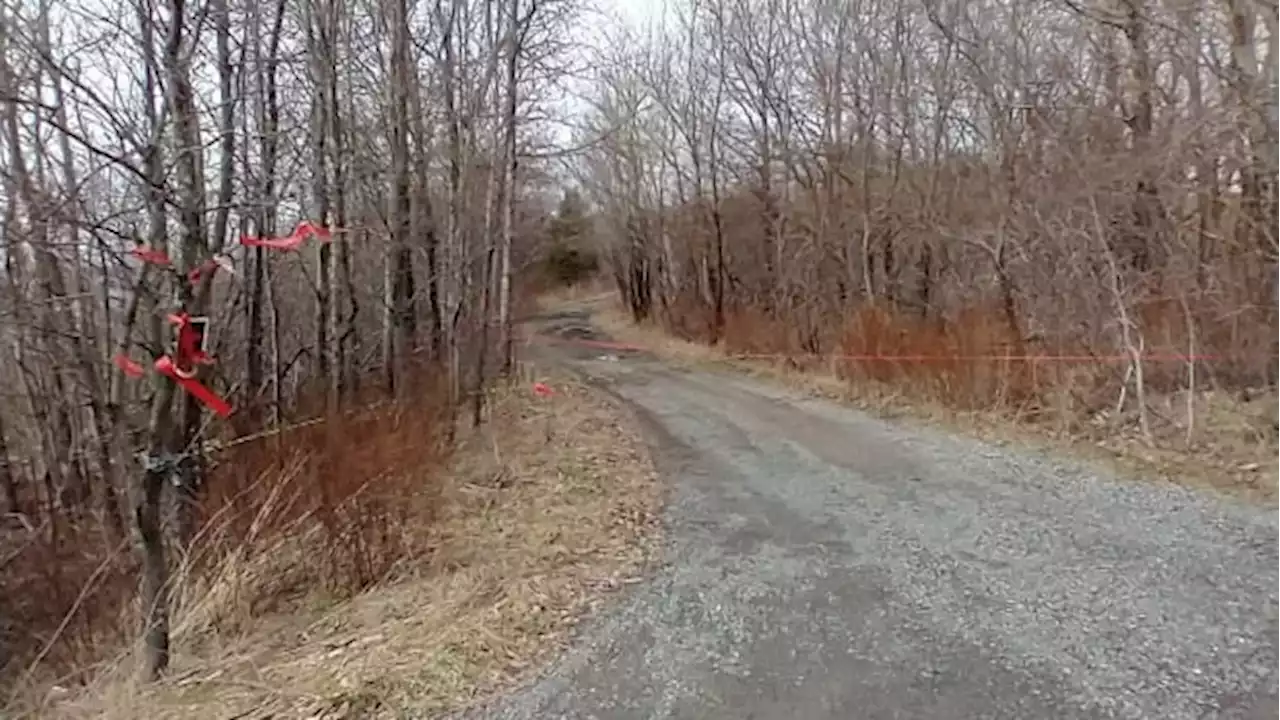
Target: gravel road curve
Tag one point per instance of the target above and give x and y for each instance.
(824, 564)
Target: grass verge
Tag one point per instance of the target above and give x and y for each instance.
(540, 514)
(1233, 446)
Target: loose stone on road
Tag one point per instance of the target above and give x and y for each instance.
(825, 564)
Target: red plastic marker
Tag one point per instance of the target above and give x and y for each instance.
(542, 390)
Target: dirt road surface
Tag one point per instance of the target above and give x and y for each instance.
(824, 564)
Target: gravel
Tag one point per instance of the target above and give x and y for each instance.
(825, 564)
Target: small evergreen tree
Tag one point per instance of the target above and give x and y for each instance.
(569, 258)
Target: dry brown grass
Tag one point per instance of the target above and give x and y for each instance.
(329, 504)
(1233, 446)
(541, 512)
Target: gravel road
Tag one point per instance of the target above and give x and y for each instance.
(824, 564)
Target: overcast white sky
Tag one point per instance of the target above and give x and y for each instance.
(598, 25)
(635, 11)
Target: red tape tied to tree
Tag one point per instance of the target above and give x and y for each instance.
(165, 366)
(128, 365)
(158, 257)
(182, 367)
(151, 255)
(190, 352)
(303, 232)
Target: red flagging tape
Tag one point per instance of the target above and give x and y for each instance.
(191, 338)
(216, 405)
(303, 232)
(293, 241)
(1001, 358)
(191, 331)
(609, 345)
(128, 365)
(158, 257)
(211, 266)
(165, 366)
(145, 254)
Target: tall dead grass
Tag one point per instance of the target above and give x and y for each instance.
(540, 513)
(970, 366)
(972, 361)
(330, 507)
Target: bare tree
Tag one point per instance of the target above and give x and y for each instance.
(922, 177)
(127, 192)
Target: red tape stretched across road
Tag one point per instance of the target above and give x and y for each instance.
(1002, 358)
(1167, 357)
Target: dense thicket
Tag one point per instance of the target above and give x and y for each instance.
(960, 179)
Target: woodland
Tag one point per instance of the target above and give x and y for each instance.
(1051, 207)
(1057, 206)
(157, 157)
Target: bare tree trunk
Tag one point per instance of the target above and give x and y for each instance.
(82, 338)
(1258, 123)
(343, 325)
(191, 467)
(399, 338)
(422, 218)
(489, 269)
(58, 434)
(148, 494)
(193, 297)
(7, 476)
(148, 503)
(268, 123)
(321, 49)
(512, 160)
(1147, 210)
(8, 231)
(452, 254)
(162, 445)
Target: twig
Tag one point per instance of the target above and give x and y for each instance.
(214, 447)
(1126, 327)
(281, 429)
(31, 539)
(1191, 372)
(1124, 390)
